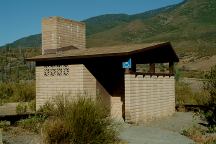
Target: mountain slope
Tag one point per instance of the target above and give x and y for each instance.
(108, 21)
(33, 41)
(94, 25)
(190, 26)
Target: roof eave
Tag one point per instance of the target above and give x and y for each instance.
(176, 59)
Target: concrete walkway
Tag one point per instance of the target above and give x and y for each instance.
(165, 131)
(149, 135)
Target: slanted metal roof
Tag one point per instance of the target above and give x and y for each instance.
(112, 51)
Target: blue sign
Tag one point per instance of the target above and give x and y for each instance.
(127, 64)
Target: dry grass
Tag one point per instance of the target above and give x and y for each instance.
(17, 92)
(204, 63)
(200, 135)
(184, 95)
(83, 121)
(32, 124)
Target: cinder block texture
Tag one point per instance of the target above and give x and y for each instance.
(67, 81)
(148, 98)
(116, 108)
(58, 32)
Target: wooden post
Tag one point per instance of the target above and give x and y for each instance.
(133, 68)
(151, 68)
(127, 71)
(171, 67)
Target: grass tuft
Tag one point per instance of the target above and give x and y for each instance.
(33, 123)
(82, 121)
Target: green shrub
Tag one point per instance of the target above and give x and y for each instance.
(191, 73)
(32, 105)
(210, 86)
(199, 135)
(4, 124)
(184, 95)
(21, 108)
(212, 129)
(24, 92)
(6, 90)
(177, 74)
(83, 121)
(17, 92)
(193, 132)
(47, 109)
(33, 123)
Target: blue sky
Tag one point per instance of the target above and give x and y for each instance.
(21, 18)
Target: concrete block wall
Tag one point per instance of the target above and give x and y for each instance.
(67, 81)
(102, 93)
(148, 98)
(116, 108)
(89, 83)
(72, 81)
(58, 32)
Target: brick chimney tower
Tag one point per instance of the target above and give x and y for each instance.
(58, 33)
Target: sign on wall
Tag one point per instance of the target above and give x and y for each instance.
(127, 64)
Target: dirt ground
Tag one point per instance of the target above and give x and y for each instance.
(164, 131)
(195, 84)
(15, 135)
(202, 64)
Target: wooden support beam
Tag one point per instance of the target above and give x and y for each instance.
(171, 67)
(151, 68)
(155, 74)
(133, 66)
(128, 71)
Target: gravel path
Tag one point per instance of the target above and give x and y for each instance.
(165, 131)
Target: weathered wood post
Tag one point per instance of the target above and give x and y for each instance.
(151, 68)
(127, 71)
(171, 67)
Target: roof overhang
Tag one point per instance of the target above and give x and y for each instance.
(115, 51)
